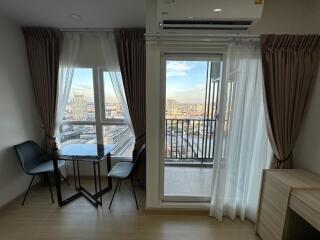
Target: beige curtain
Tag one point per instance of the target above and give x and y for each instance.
(290, 64)
(43, 48)
(131, 50)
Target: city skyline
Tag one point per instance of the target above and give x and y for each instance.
(82, 84)
(185, 82)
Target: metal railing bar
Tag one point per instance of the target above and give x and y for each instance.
(181, 154)
(192, 139)
(188, 123)
(198, 139)
(177, 138)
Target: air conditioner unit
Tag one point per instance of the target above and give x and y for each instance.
(208, 14)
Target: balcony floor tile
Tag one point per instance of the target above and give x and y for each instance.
(187, 181)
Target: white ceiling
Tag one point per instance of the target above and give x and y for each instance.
(94, 13)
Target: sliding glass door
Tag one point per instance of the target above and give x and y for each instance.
(190, 96)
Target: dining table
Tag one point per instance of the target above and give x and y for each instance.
(89, 153)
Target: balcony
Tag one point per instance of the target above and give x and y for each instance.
(189, 150)
(189, 141)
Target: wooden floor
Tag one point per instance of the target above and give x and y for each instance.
(39, 219)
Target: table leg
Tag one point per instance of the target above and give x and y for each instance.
(109, 169)
(109, 186)
(99, 175)
(95, 178)
(74, 175)
(57, 178)
(78, 170)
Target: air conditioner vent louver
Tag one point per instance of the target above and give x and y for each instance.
(207, 24)
(207, 15)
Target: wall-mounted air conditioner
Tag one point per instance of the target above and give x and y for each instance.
(208, 14)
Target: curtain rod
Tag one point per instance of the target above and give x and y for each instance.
(87, 29)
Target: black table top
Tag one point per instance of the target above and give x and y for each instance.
(85, 152)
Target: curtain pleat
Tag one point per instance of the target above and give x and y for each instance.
(242, 143)
(68, 58)
(131, 50)
(290, 64)
(43, 49)
(132, 59)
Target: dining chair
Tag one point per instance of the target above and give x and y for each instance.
(35, 162)
(126, 170)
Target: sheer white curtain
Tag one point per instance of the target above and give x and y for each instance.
(242, 149)
(109, 49)
(68, 57)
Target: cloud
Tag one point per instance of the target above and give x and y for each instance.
(177, 68)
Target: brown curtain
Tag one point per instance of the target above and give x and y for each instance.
(43, 48)
(131, 50)
(132, 59)
(290, 64)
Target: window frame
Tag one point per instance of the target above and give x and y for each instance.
(104, 120)
(180, 56)
(100, 118)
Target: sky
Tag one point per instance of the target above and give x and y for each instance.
(82, 83)
(185, 82)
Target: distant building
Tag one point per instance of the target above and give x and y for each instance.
(68, 135)
(79, 107)
(171, 105)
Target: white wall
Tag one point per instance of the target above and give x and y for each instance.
(307, 151)
(18, 116)
(285, 16)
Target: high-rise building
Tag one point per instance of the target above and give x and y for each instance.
(79, 107)
(171, 104)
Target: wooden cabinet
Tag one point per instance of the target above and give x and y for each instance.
(277, 189)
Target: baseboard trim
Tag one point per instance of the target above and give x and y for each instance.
(176, 211)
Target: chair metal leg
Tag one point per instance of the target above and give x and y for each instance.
(134, 193)
(50, 187)
(114, 193)
(27, 192)
(64, 178)
(120, 186)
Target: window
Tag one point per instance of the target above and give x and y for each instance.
(112, 106)
(121, 136)
(70, 134)
(115, 129)
(93, 113)
(191, 93)
(80, 106)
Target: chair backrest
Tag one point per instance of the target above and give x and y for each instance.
(141, 154)
(29, 154)
(139, 157)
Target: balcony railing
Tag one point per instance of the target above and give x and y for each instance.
(189, 140)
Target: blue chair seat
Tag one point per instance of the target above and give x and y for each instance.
(46, 167)
(121, 170)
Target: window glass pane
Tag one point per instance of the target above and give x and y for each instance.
(192, 90)
(77, 134)
(112, 106)
(80, 106)
(121, 136)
